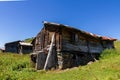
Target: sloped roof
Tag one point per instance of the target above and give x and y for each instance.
(87, 33)
(25, 44)
(13, 42)
(20, 42)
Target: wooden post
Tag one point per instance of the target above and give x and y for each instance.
(50, 51)
(20, 49)
(60, 41)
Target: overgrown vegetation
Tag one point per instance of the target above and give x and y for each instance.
(17, 67)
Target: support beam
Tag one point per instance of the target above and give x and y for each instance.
(50, 51)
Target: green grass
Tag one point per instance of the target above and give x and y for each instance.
(29, 40)
(18, 67)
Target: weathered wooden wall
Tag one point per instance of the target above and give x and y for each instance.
(27, 49)
(78, 51)
(82, 44)
(108, 44)
(53, 60)
(95, 47)
(13, 47)
(40, 60)
(43, 39)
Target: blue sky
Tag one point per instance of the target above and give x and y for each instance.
(23, 19)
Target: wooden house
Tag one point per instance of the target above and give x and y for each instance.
(70, 46)
(18, 47)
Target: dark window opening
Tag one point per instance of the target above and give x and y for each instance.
(74, 37)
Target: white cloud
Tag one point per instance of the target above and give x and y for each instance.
(12, 0)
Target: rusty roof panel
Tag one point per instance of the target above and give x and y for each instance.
(108, 38)
(88, 33)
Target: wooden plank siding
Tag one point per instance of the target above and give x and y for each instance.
(80, 44)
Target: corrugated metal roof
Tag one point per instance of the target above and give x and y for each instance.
(25, 44)
(108, 38)
(88, 33)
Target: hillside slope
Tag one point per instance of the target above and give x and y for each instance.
(28, 40)
(17, 67)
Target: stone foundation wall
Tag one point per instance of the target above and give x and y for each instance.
(69, 59)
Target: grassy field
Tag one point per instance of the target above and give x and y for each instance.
(17, 67)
